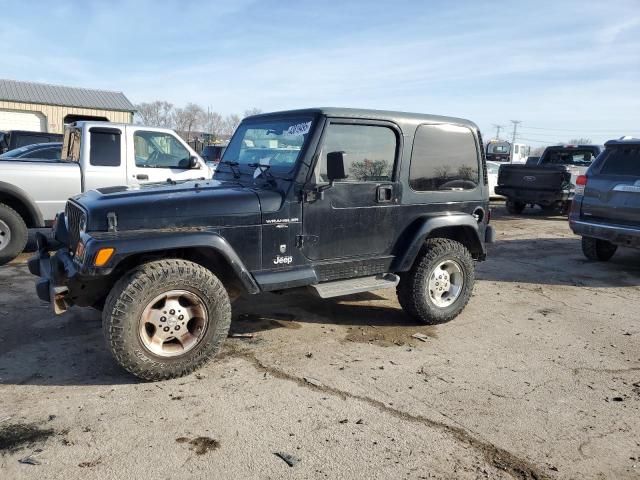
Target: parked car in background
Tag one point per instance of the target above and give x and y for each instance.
(285, 209)
(213, 153)
(606, 207)
(94, 155)
(492, 173)
(20, 138)
(505, 151)
(40, 151)
(550, 183)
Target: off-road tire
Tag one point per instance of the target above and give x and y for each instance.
(515, 208)
(412, 289)
(133, 292)
(17, 231)
(599, 250)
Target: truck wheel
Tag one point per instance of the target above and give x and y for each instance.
(166, 318)
(515, 208)
(595, 249)
(13, 234)
(440, 282)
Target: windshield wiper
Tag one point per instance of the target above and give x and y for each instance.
(233, 166)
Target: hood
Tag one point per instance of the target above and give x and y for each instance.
(194, 203)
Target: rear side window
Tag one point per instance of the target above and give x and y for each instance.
(444, 157)
(105, 148)
(622, 161)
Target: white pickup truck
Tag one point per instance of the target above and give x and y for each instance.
(94, 155)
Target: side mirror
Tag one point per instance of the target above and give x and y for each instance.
(194, 163)
(335, 166)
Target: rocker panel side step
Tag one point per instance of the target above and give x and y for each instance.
(355, 285)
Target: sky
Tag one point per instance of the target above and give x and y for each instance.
(565, 69)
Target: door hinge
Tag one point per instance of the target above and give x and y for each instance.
(302, 239)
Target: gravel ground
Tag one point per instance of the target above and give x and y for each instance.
(538, 378)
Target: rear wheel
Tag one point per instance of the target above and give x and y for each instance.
(515, 208)
(595, 249)
(166, 318)
(13, 234)
(440, 282)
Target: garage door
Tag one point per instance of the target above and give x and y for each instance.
(16, 120)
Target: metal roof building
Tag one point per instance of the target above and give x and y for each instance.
(47, 108)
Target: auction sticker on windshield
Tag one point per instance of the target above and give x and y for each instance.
(298, 129)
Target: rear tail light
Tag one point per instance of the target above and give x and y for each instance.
(581, 182)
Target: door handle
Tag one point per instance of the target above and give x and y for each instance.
(384, 193)
(142, 176)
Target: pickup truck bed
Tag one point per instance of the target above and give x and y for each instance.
(547, 186)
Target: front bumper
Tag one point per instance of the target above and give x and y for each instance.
(537, 197)
(617, 234)
(55, 272)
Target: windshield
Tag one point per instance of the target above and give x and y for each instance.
(569, 157)
(273, 142)
(499, 148)
(16, 152)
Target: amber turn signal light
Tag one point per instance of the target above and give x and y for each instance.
(103, 256)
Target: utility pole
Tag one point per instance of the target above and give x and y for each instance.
(513, 137)
(498, 128)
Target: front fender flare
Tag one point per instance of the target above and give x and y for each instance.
(423, 228)
(127, 244)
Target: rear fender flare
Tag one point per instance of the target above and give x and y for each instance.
(30, 207)
(428, 226)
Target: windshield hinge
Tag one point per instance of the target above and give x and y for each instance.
(112, 222)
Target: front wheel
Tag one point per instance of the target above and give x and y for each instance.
(440, 282)
(595, 249)
(13, 234)
(166, 318)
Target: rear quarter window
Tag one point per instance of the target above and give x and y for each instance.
(444, 157)
(104, 148)
(623, 160)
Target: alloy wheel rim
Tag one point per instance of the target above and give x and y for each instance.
(5, 235)
(445, 283)
(173, 323)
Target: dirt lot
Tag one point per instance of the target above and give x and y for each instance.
(538, 378)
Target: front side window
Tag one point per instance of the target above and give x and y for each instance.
(444, 157)
(273, 142)
(104, 148)
(159, 150)
(369, 152)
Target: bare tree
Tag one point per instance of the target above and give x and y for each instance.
(229, 125)
(580, 141)
(188, 119)
(154, 114)
(212, 124)
(252, 111)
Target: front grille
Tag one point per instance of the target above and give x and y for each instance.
(73, 213)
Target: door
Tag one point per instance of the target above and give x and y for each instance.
(105, 148)
(155, 156)
(354, 216)
(16, 120)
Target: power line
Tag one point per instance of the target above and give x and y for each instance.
(583, 130)
(498, 128)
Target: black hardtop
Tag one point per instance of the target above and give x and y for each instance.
(400, 118)
(620, 142)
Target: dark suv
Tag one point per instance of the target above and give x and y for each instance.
(338, 201)
(606, 208)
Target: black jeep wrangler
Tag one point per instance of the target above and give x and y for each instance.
(338, 201)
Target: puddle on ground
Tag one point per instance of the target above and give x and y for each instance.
(20, 435)
(389, 336)
(200, 445)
